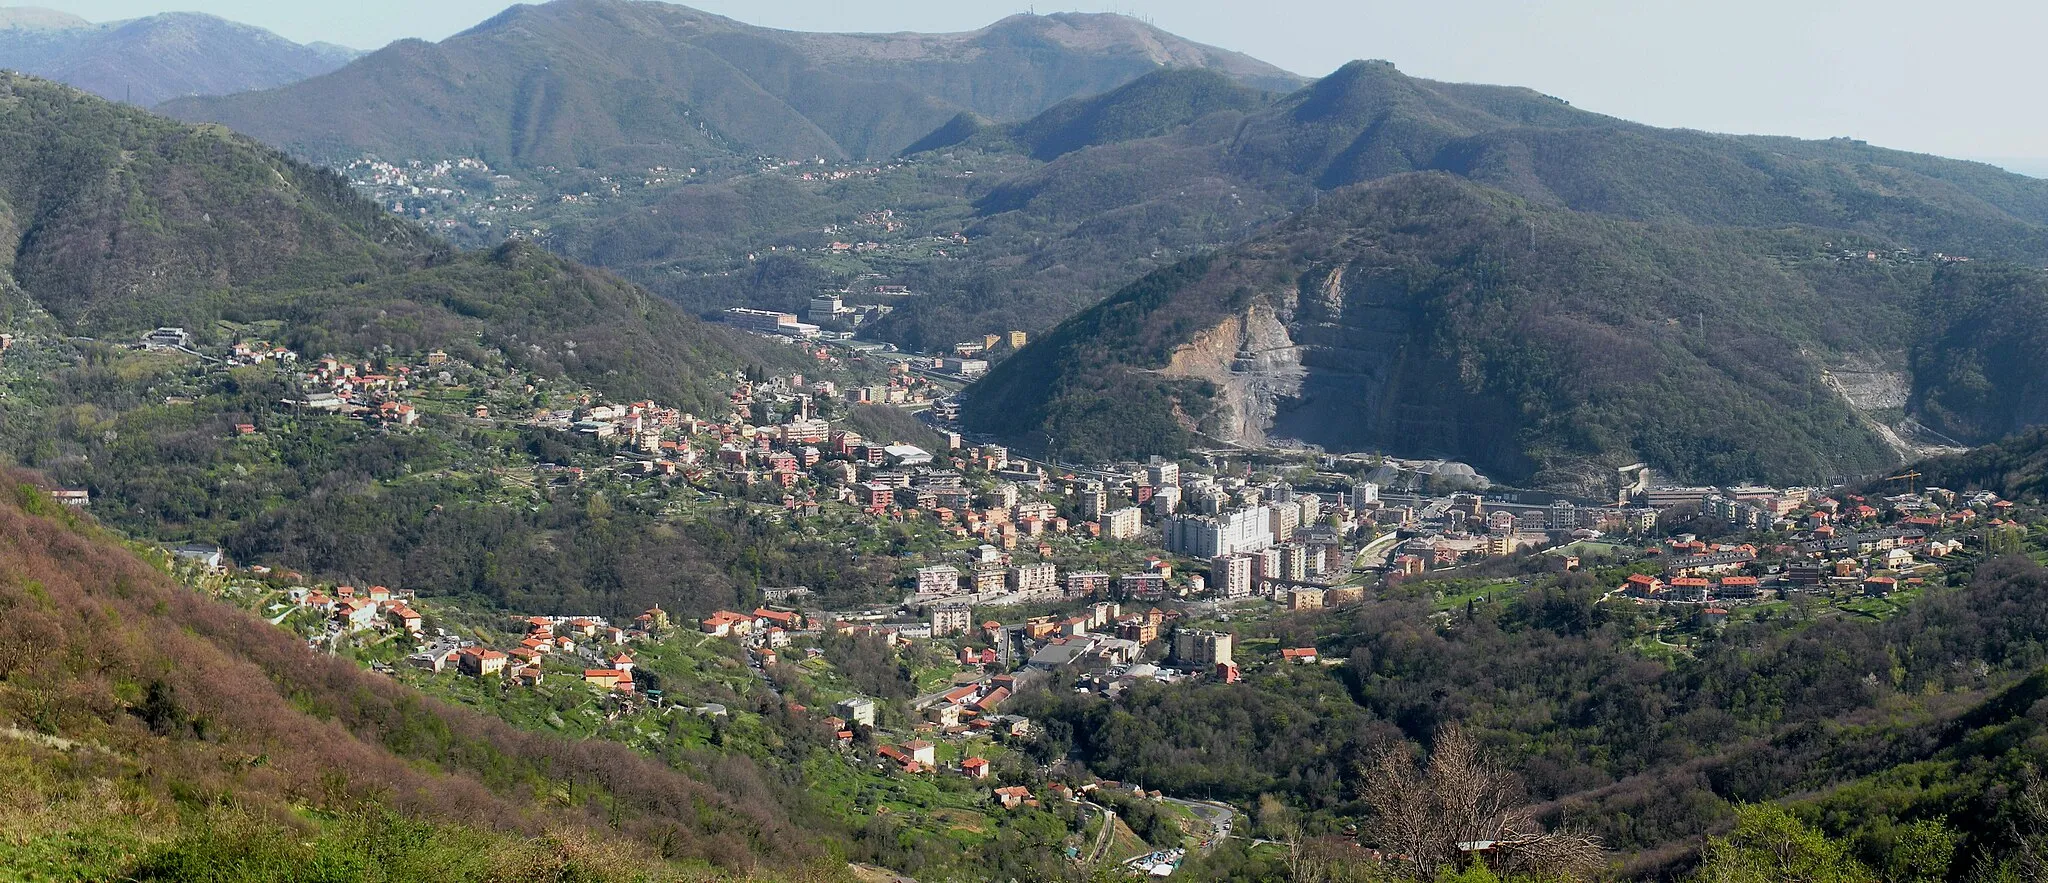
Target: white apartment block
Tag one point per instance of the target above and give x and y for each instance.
(1230, 576)
(1035, 580)
(1123, 524)
(941, 580)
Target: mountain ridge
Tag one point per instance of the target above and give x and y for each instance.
(674, 84)
(1369, 120)
(1430, 316)
(116, 221)
(156, 58)
(37, 18)
(1148, 106)
(1214, 180)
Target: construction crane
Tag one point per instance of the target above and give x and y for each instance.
(1910, 478)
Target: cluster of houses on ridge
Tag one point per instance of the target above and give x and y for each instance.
(582, 639)
(355, 610)
(1846, 543)
(594, 651)
(358, 389)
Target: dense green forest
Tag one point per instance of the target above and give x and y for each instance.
(1435, 317)
(1867, 727)
(205, 226)
(2015, 467)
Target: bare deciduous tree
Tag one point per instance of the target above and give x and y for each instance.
(1433, 813)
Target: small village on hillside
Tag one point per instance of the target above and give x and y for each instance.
(1025, 574)
(613, 441)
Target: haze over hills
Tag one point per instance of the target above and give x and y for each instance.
(1201, 183)
(1127, 167)
(1154, 104)
(1063, 208)
(603, 83)
(149, 60)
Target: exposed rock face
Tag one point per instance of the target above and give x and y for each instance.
(1255, 365)
(1870, 385)
(1350, 334)
(1882, 396)
(1330, 361)
(1423, 317)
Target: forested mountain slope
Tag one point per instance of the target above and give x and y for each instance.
(1067, 229)
(603, 83)
(1368, 120)
(116, 221)
(2015, 467)
(1427, 315)
(1060, 210)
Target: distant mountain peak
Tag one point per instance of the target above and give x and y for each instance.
(584, 82)
(1153, 104)
(1355, 82)
(150, 59)
(36, 18)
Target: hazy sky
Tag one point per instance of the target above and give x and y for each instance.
(1956, 78)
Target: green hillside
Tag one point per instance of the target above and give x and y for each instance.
(1368, 120)
(1429, 316)
(1962, 335)
(1917, 727)
(117, 221)
(112, 216)
(1074, 230)
(1146, 107)
(1177, 163)
(153, 733)
(2015, 467)
(605, 83)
